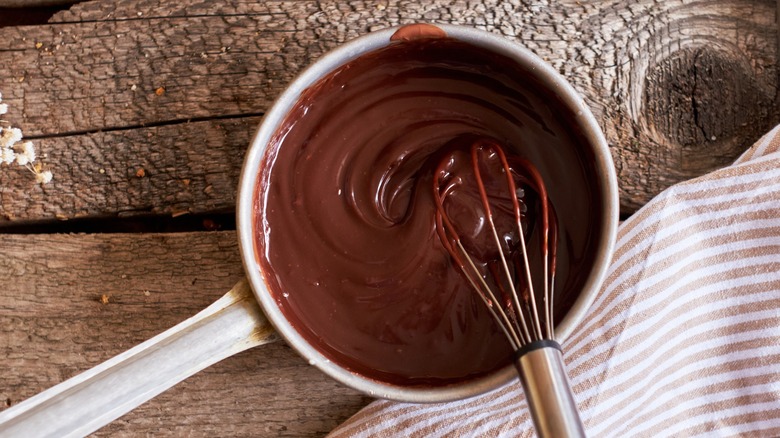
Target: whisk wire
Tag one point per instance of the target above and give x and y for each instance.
(492, 302)
(549, 242)
(443, 227)
(489, 215)
(525, 324)
(553, 261)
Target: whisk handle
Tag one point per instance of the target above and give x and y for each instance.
(540, 366)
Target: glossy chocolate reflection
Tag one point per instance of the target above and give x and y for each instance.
(344, 215)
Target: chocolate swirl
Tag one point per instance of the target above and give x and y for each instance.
(345, 216)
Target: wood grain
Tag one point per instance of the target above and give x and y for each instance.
(187, 168)
(679, 87)
(53, 325)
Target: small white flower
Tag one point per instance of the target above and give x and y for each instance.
(13, 150)
(28, 149)
(43, 177)
(21, 159)
(10, 136)
(7, 156)
(15, 134)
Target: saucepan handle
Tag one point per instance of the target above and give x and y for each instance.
(92, 399)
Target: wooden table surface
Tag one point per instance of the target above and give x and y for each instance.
(107, 88)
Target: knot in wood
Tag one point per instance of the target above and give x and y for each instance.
(709, 104)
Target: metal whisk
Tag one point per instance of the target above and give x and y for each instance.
(504, 281)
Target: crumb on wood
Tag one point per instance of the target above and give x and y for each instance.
(104, 299)
(186, 182)
(211, 225)
(147, 293)
(159, 91)
(140, 173)
(38, 45)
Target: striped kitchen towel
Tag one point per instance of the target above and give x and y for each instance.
(682, 340)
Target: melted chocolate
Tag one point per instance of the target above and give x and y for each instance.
(345, 213)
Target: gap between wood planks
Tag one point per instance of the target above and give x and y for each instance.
(30, 15)
(157, 124)
(136, 224)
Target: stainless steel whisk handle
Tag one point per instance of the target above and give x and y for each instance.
(547, 390)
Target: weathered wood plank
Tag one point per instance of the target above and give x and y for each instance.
(679, 87)
(90, 76)
(187, 168)
(53, 325)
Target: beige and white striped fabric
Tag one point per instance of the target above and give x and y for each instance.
(684, 337)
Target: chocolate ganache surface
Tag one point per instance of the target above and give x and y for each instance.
(344, 211)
